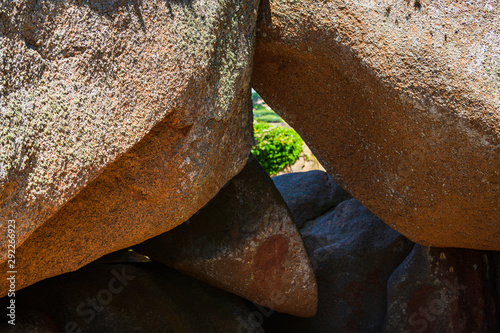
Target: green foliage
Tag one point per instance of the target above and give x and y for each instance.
(261, 109)
(271, 118)
(263, 113)
(267, 116)
(276, 146)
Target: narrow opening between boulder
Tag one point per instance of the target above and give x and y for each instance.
(278, 147)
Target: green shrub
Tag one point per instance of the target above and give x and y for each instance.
(264, 114)
(276, 146)
(270, 118)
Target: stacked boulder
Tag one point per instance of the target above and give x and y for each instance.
(128, 124)
(114, 118)
(372, 279)
(400, 103)
(243, 241)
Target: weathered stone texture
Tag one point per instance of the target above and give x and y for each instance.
(400, 101)
(125, 297)
(244, 241)
(144, 105)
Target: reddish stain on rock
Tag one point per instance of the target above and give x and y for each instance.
(244, 241)
(271, 253)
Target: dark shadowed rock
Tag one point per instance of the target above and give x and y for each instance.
(309, 194)
(143, 105)
(126, 255)
(29, 321)
(439, 290)
(495, 256)
(245, 242)
(353, 253)
(399, 101)
(147, 297)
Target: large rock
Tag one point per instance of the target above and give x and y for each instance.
(495, 258)
(125, 297)
(354, 254)
(441, 290)
(245, 242)
(361, 288)
(309, 194)
(400, 101)
(146, 104)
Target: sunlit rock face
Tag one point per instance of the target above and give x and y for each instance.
(120, 120)
(399, 100)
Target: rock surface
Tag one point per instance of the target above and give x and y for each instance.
(309, 194)
(399, 101)
(124, 297)
(371, 279)
(145, 104)
(495, 258)
(354, 254)
(245, 242)
(441, 290)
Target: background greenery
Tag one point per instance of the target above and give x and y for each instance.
(262, 112)
(277, 146)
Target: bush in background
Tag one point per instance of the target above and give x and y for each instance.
(276, 146)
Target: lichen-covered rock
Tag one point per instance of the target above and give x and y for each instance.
(400, 101)
(309, 194)
(439, 290)
(245, 242)
(125, 297)
(145, 105)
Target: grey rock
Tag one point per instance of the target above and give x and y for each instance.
(309, 194)
(354, 254)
